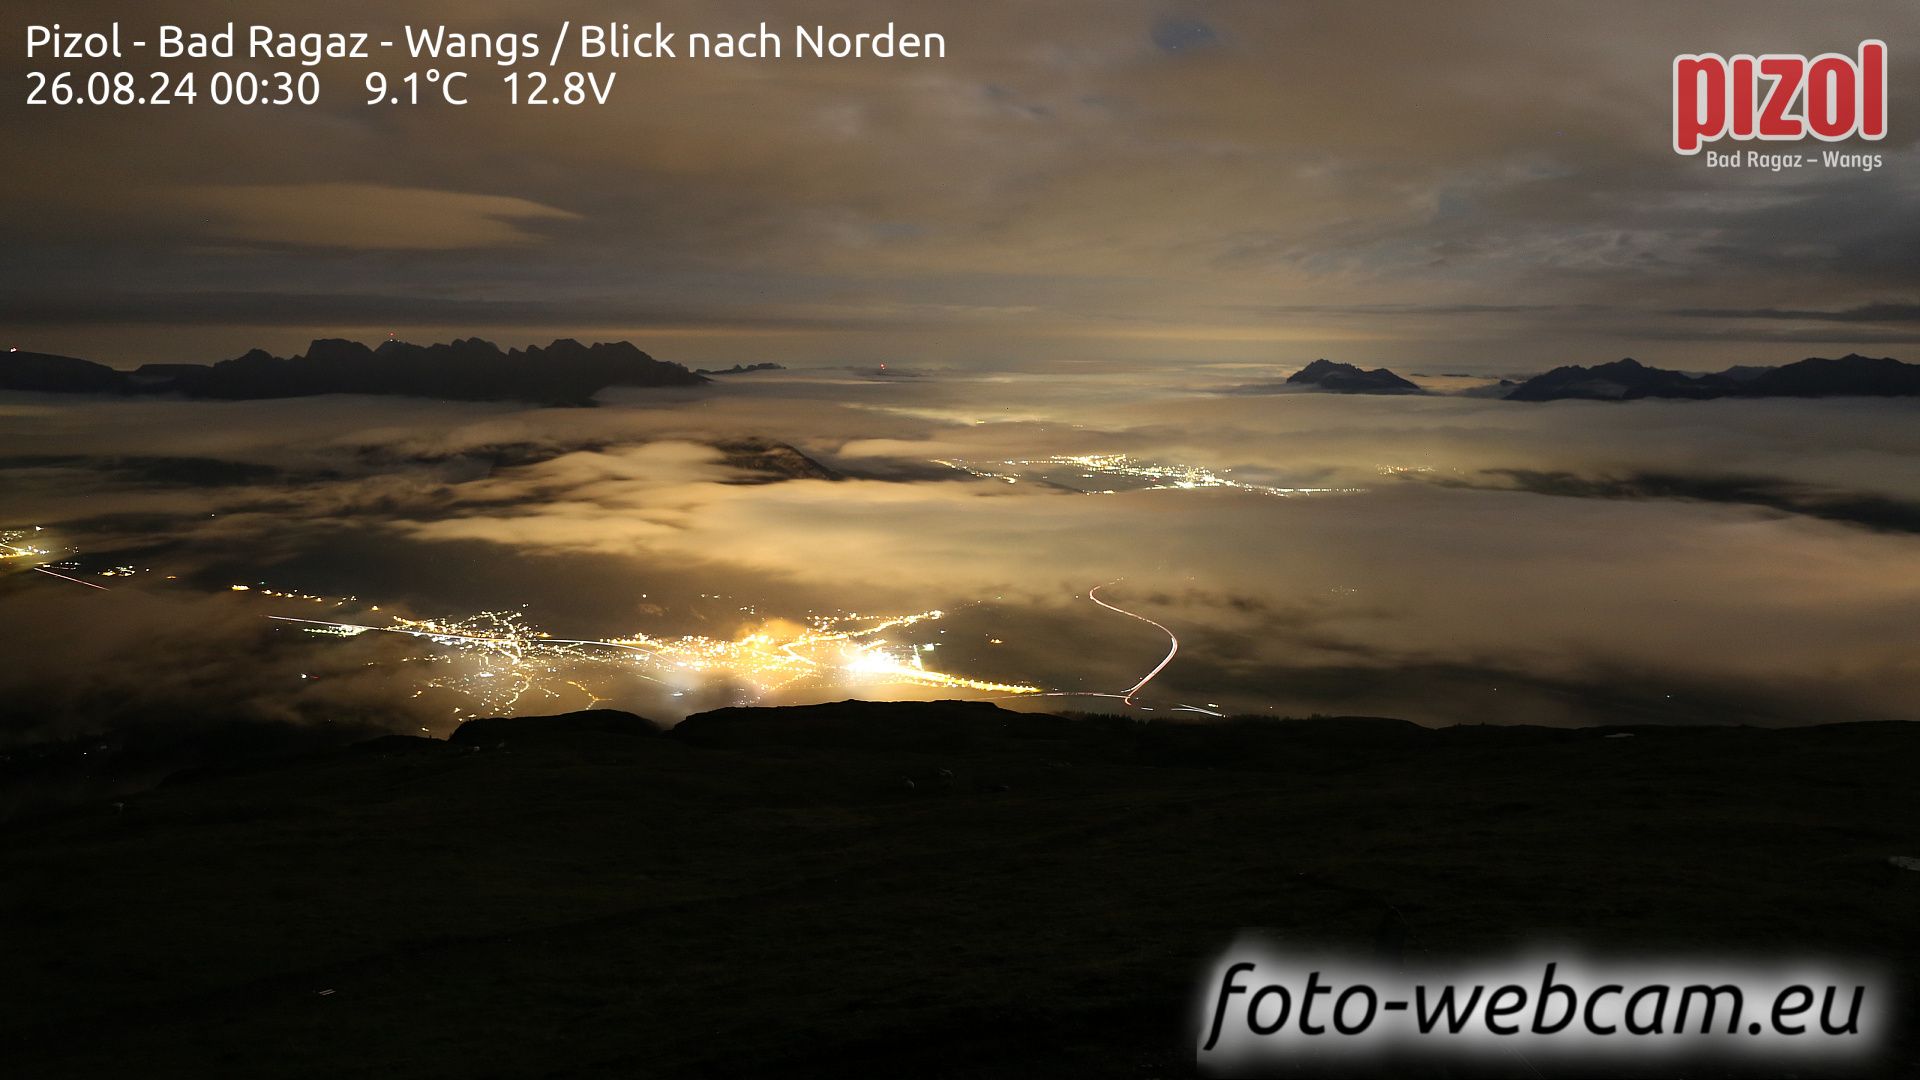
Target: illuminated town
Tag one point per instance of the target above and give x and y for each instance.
(498, 663)
(24, 547)
(1140, 475)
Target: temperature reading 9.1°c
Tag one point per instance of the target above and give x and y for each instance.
(409, 89)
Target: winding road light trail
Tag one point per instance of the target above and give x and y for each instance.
(1172, 642)
(75, 580)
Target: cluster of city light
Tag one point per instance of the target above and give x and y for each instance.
(289, 594)
(22, 544)
(25, 546)
(495, 663)
(1155, 476)
(499, 664)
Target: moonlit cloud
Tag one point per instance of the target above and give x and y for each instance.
(1077, 181)
(1505, 562)
(369, 217)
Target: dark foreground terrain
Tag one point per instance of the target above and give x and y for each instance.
(899, 890)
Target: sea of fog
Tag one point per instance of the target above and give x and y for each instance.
(1045, 540)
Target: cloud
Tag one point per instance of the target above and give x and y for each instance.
(1175, 33)
(1060, 170)
(1868, 510)
(1864, 313)
(367, 217)
(1433, 600)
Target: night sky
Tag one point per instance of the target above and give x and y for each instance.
(1486, 184)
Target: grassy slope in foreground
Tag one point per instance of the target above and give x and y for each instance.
(761, 891)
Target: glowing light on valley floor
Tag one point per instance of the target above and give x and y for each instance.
(1153, 476)
(12, 546)
(499, 662)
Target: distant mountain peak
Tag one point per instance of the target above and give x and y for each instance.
(469, 369)
(1350, 379)
(1627, 380)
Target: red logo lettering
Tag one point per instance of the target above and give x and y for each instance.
(1779, 96)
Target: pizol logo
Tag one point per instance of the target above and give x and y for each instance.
(1779, 97)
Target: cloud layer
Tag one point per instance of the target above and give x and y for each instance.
(1080, 180)
(1570, 562)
